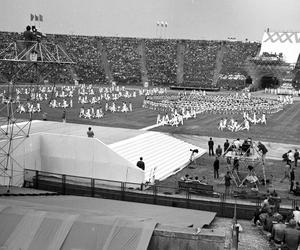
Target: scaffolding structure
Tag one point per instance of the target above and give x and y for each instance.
(249, 161)
(40, 59)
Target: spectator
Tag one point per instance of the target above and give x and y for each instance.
(236, 164)
(296, 157)
(292, 179)
(211, 147)
(227, 183)
(262, 148)
(216, 168)
(296, 214)
(268, 223)
(28, 36)
(141, 164)
(278, 231)
(291, 236)
(219, 151)
(226, 146)
(290, 157)
(185, 178)
(44, 116)
(296, 191)
(90, 132)
(196, 180)
(246, 147)
(64, 116)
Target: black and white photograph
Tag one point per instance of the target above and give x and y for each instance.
(149, 124)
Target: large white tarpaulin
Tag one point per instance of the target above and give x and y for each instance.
(36, 229)
(70, 155)
(287, 43)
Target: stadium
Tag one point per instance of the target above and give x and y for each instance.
(147, 142)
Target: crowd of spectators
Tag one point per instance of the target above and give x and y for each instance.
(199, 62)
(283, 230)
(124, 59)
(161, 60)
(234, 58)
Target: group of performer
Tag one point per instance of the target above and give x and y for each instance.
(91, 98)
(175, 118)
(233, 125)
(288, 91)
(216, 104)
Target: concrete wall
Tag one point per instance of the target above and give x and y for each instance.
(86, 157)
(185, 239)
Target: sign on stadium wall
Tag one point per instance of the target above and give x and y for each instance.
(287, 43)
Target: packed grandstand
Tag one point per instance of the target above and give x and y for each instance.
(164, 62)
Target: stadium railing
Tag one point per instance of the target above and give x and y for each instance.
(145, 193)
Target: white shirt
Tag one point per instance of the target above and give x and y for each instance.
(296, 215)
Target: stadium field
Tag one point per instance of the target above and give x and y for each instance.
(283, 126)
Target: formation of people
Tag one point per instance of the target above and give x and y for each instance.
(283, 92)
(93, 101)
(234, 126)
(198, 102)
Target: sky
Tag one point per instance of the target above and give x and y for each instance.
(186, 19)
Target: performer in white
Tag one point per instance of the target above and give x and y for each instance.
(263, 119)
(246, 125)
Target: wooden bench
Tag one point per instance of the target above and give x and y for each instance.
(198, 188)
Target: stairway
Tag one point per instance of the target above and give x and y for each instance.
(72, 72)
(161, 151)
(219, 64)
(180, 62)
(141, 52)
(104, 60)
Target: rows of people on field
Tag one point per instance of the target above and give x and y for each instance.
(188, 105)
(89, 101)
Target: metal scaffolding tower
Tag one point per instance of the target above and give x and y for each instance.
(40, 59)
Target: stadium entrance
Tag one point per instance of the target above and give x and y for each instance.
(269, 82)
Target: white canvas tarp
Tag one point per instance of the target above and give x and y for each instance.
(70, 155)
(35, 229)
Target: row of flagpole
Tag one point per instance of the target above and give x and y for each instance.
(161, 29)
(36, 18)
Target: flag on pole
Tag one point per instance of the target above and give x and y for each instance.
(41, 18)
(36, 18)
(31, 17)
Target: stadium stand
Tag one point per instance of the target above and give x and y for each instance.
(124, 59)
(199, 62)
(233, 74)
(161, 61)
(189, 63)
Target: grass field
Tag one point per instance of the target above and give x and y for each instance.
(283, 127)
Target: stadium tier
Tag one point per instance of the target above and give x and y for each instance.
(192, 63)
